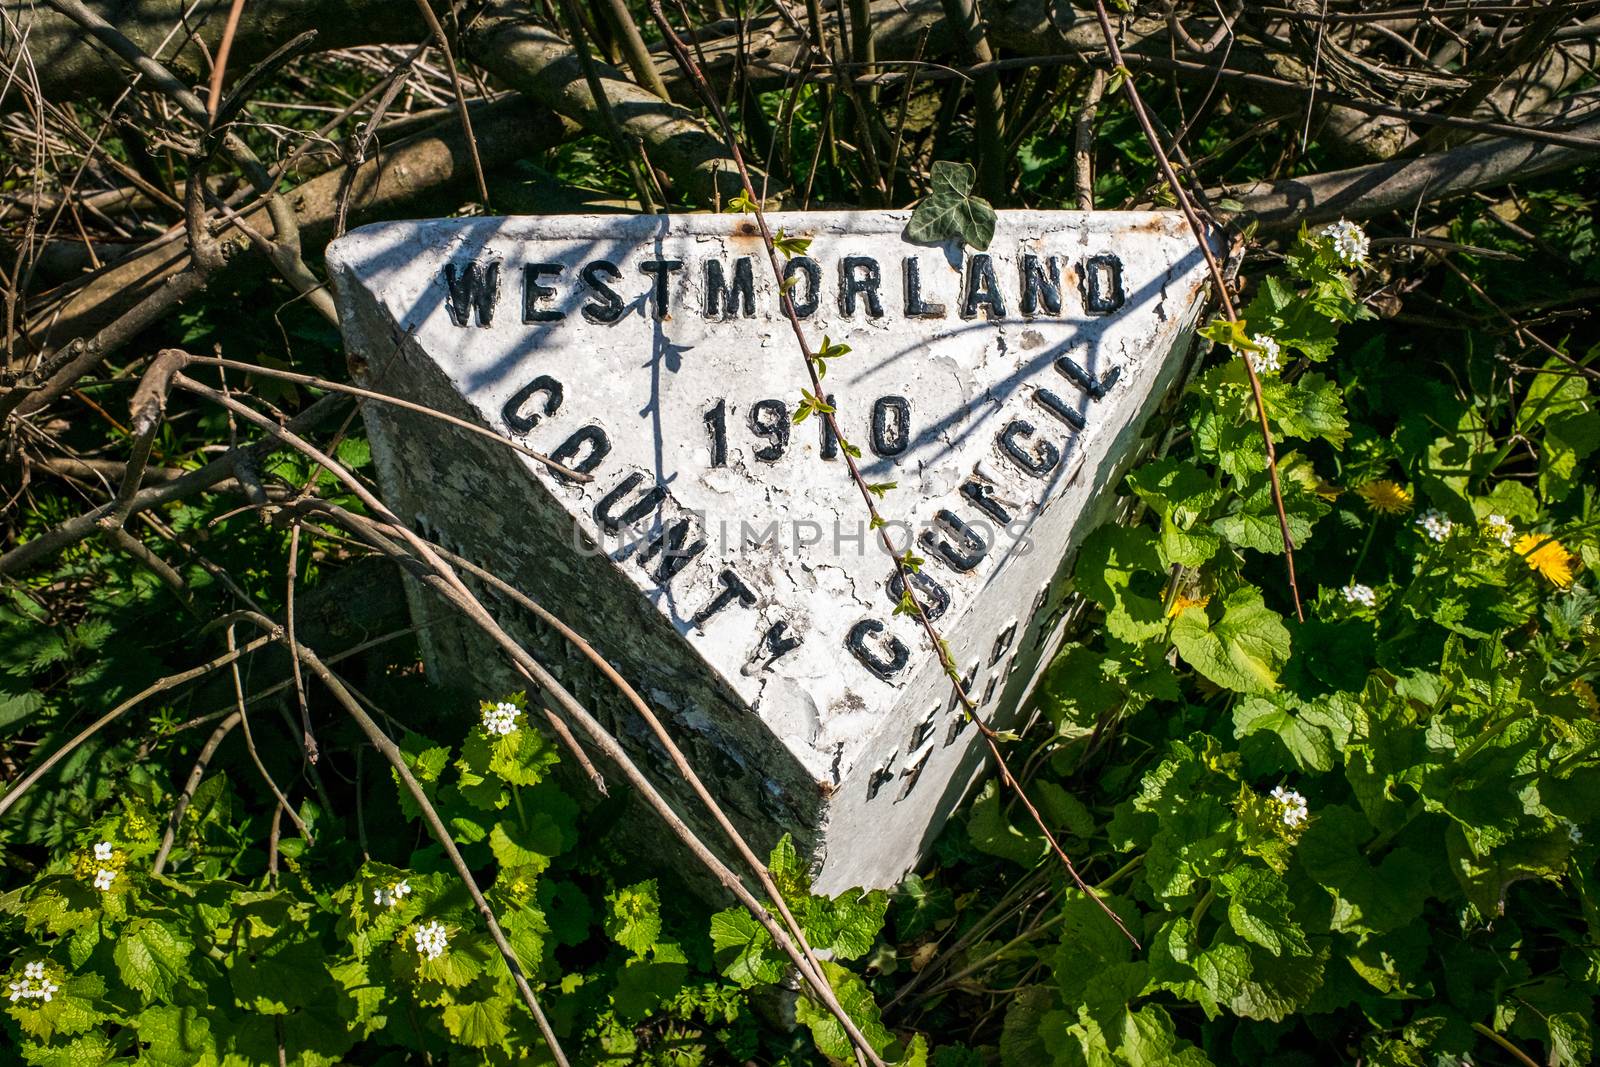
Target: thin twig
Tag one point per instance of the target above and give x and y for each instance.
(1202, 238)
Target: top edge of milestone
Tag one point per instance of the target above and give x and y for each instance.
(1009, 224)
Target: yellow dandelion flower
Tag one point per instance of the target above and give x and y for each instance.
(1586, 695)
(1548, 556)
(1385, 496)
(1181, 604)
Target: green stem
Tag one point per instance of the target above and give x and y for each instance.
(1204, 906)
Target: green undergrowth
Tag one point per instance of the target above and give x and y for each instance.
(1364, 837)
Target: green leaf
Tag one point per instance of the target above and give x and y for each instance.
(1308, 744)
(172, 1036)
(1244, 650)
(526, 845)
(991, 832)
(151, 958)
(1150, 1040)
(1309, 409)
(71, 1011)
(478, 1023)
(950, 210)
(1259, 912)
(1118, 567)
(746, 953)
(633, 917)
(856, 999)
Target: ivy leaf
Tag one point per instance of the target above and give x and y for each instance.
(151, 958)
(950, 210)
(1244, 650)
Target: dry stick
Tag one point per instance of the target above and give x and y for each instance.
(219, 470)
(634, 50)
(391, 752)
(797, 949)
(1201, 238)
(679, 760)
(308, 740)
(250, 741)
(219, 68)
(461, 97)
(608, 116)
(169, 836)
(368, 394)
(1083, 140)
(974, 42)
(990, 737)
(444, 579)
(160, 685)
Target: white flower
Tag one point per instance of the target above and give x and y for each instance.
(1349, 242)
(102, 851)
(1435, 524)
(1270, 359)
(431, 940)
(1355, 593)
(501, 719)
(390, 896)
(1499, 528)
(1295, 809)
(34, 985)
(103, 878)
(1573, 831)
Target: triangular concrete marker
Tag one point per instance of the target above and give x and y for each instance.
(720, 556)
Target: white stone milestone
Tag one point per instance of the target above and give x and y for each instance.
(720, 556)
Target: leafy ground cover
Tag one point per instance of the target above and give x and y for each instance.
(1367, 836)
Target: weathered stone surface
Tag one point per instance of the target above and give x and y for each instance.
(720, 556)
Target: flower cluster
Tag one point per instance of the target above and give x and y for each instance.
(1269, 360)
(1355, 593)
(390, 896)
(1435, 524)
(1350, 242)
(100, 866)
(501, 719)
(34, 985)
(1499, 528)
(431, 940)
(1295, 809)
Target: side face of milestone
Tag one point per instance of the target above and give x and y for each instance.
(992, 396)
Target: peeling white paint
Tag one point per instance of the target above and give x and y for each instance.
(652, 388)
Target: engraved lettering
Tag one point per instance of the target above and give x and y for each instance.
(860, 276)
(891, 425)
(721, 297)
(512, 412)
(916, 306)
(982, 290)
(969, 550)
(471, 287)
(607, 307)
(535, 293)
(883, 668)
(732, 589)
(592, 438)
(661, 270)
(807, 267)
(1041, 284)
(1038, 463)
(1102, 284)
(644, 506)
